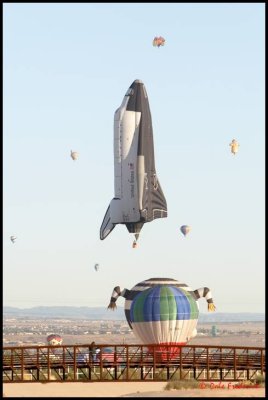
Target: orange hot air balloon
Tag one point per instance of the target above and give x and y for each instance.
(159, 41)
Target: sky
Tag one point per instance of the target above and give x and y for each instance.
(66, 69)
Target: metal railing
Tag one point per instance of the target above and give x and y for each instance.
(131, 362)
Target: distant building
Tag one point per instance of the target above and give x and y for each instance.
(214, 330)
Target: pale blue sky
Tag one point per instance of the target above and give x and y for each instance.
(66, 68)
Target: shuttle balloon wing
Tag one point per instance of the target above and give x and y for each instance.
(107, 226)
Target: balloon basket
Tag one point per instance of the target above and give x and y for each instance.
(165, 352)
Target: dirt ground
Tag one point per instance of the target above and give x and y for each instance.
(121, 389)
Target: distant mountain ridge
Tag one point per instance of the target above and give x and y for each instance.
(102, 313)
(93, 313)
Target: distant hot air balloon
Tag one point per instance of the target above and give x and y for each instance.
(162, 311)
(96, 266)
(13, 239)
(234, 146)
(159, 41)
(185, 229)
(54, 340)
(74, 155)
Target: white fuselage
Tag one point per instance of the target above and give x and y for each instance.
(126, 170)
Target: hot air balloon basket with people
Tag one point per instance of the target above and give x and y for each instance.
(164, 353)
(163, 314)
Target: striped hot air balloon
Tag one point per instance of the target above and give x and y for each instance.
(171, 313)
(162, 311)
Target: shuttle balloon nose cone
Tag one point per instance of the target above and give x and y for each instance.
(138, 81)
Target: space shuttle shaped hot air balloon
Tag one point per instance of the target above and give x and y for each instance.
(162, 311)
(138, 197)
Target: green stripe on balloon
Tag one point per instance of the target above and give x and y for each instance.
(193, 305)
(168, 306)
(138, 313)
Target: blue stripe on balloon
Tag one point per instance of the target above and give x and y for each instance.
(151, 308)
(183, 305)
